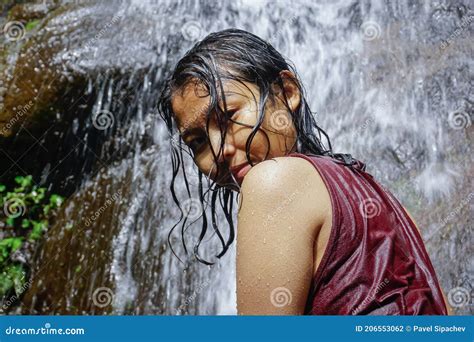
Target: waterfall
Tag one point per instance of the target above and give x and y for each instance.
(389, 82)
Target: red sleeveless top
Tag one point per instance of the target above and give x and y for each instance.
(375, 261)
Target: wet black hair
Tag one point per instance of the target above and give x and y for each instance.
(241, 56)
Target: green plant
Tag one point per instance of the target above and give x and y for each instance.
(25, 213)
(31, 25)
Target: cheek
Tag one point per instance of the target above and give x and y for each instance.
(205, 163)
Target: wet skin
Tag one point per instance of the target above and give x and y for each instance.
(285, 250)
(189, 107)
(285, 214)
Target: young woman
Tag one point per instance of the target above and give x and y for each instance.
(316, 233)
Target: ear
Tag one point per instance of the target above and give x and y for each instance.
(291, 89)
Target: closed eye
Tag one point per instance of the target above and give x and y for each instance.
(196, 143)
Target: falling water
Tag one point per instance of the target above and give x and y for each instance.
(381, 78)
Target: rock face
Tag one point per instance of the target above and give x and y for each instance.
(79, 90)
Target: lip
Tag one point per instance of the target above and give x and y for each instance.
(239, 171)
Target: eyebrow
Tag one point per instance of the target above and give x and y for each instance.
(191, 129)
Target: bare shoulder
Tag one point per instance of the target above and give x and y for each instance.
(284, 179)
(284, 203)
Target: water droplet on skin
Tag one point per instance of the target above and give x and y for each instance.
(268, 284)
(259, 278)
(264, 241)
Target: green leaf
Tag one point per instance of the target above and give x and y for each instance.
(10, 221)
(33, 222)
(10, 244)
(24, 181)
(25, 223)
(27, 181)
(31, 25)
(40, 192)
(6, 283)
(16, 243)
(38, 228)
(56, 200)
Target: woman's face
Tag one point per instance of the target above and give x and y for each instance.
(190, 108)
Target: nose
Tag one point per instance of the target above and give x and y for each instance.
(228, 149)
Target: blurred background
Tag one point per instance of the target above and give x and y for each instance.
(84, 159)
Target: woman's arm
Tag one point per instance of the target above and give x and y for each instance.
(284, 202)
